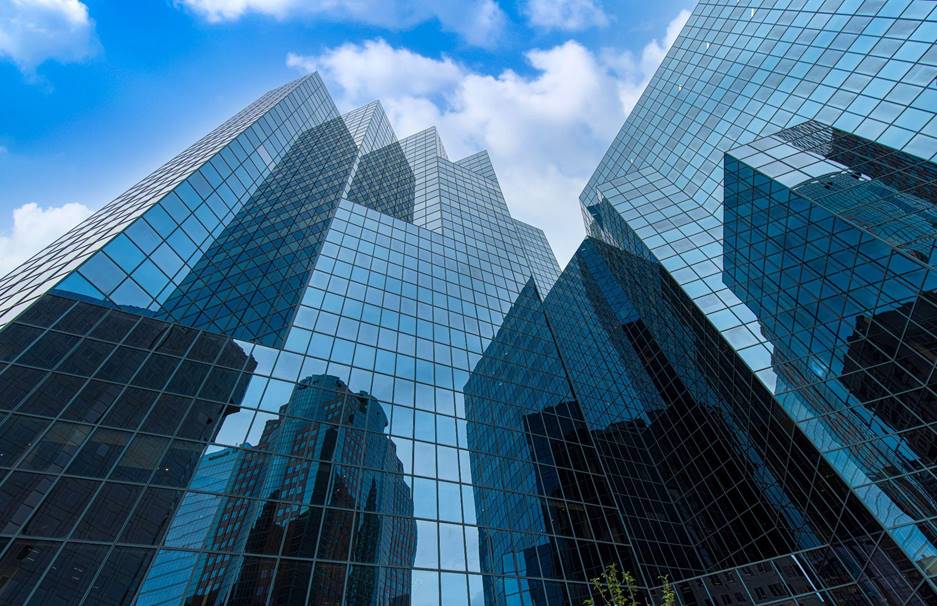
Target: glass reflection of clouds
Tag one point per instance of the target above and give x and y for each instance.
(309, 362)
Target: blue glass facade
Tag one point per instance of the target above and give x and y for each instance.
(828, 240)
(309, 362)
(765, 217)
(243, 381)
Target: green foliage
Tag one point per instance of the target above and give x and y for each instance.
(618, 589)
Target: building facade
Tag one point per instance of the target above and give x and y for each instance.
(307, 361)
(242, 381)
(764, 225)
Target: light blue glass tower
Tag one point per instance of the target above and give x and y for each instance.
(242, 381)
(767, 214)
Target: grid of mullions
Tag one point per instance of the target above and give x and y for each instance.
(369, 127)
(540, 256)
(480, 163)
(249, 280)
(443, 275)
(166, 415)
(738, 71)
(401, 316)
(613, 398)
(175, 415)
(424, 151)
(751, 423)
(815, 322)
(718, 88)
(405, 313)
(518, 402)
(149, 263)
(36, 275)
(687, 241)
(385, 182)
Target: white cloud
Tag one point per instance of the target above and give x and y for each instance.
(545, 132)
(569, 15)
(478, 22)
(35, 31)
(35, 227)
(375, 65)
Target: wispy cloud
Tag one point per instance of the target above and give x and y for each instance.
(35, 31)
(478, 22)
(545, 132)
(34, 227)
(567, 15)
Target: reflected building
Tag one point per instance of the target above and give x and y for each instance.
(307, 361)
(527, 431)
(109, 373)
(843, 294)
(302, 494)
(886, 356)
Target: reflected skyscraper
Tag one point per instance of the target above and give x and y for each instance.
(300, 487)
(526, 431)
(307, 361)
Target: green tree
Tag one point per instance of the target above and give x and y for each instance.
(618, 589)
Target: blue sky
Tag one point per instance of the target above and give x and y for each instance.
(95, 94)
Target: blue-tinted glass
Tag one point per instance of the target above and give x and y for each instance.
(309, 362)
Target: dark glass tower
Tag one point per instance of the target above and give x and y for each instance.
(309, 362)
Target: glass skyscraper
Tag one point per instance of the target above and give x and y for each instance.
(309, 362)
(762, 234)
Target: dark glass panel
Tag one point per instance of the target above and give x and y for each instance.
(80, 319)
(22, 566)
(20, 493)
(107, 513)
(130, 408)
(179, 463)
(140, 459)
(15, 339)
(86, 358)
(61, 508)
(46, 311)
(188, 379)
(151, 517)
(55, 449)
(53, 395)
(48, 350)
(99, 453)
(207, 347)
(122, 365)
(178, 340)
(15, 383)
(147, 334)
(17, 435)
(156, 371)
(166, 414)
(120, 577)
(114, 327)
(70, 575)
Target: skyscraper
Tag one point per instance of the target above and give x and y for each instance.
(242, 381)
(309, 362)
(765, 218)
